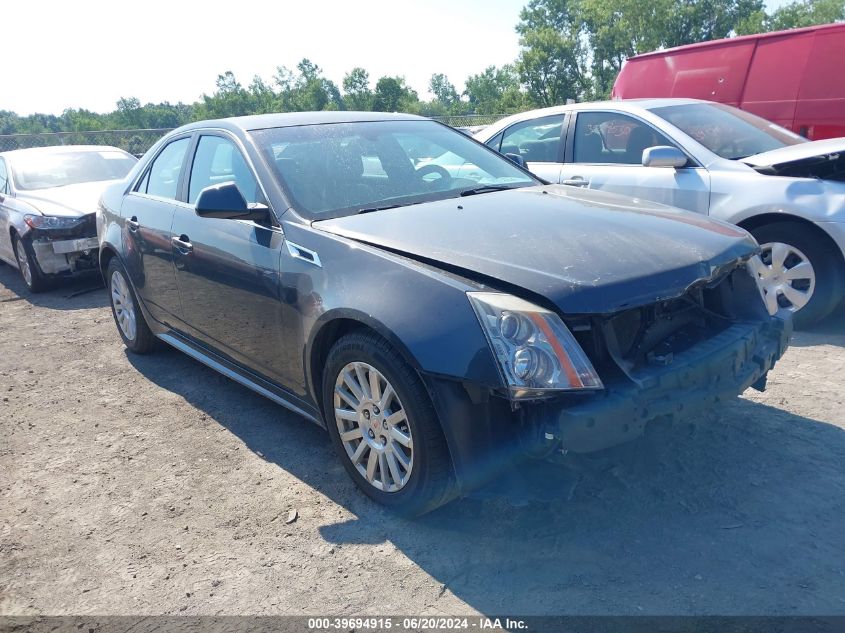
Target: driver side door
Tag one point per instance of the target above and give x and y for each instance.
(227, 271)
(604, 151)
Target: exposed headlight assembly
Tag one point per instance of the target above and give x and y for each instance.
(48, 222)
(536, 352)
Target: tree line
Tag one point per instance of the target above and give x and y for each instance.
(569, 49)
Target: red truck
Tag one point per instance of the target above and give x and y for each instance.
(793, 78)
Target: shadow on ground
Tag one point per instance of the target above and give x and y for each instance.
(741, 513)
(831, 331)
(72, 294)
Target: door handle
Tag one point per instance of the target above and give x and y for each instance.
(183, 243)
(576, 181)
(133, 223)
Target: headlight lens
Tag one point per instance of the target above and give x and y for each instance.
(50, 222)
(536, 352)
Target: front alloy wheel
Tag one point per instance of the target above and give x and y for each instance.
(28, 269)
(799, 270)
(787, 276)
(384, 427)
(373, 427)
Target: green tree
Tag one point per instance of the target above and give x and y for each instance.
(495, 91)
(552, 60)
(806, 13)
(356, 90)
(443, 90)
(393, 95)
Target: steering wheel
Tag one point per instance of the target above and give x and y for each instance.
(429, 170)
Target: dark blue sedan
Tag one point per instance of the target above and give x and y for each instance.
(441, 311)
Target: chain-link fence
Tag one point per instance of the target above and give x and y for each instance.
(133, 141)
(469, 120)
(139, 141)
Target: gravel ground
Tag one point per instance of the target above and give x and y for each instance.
(151, 485)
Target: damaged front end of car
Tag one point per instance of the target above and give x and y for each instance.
(63, 246)
(665, 360)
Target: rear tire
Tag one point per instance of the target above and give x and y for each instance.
(826, 268)
(27, 266)
(128, 318)
(392, 445)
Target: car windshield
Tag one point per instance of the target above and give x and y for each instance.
(727, 131)
(44, 171)
(339, 169)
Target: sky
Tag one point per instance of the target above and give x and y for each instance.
(89, 53)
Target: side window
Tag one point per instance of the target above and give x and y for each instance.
(216, 161)
(537, 140)
(495, 142)
(610, 137)
(162, 179)
(4, 178)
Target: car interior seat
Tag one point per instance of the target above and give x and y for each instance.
(589, 148)
(640, 139)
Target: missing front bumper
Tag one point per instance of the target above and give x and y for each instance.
(66, 257)
(722, 367)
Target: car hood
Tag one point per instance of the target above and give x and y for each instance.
(784, 156)
(585, 251)
(69, 201)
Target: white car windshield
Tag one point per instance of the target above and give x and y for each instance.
(340, 169)
(44, 171)
(727, 131)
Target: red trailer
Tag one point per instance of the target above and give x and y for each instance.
(793, 78)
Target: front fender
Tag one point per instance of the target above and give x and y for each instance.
(420, 310)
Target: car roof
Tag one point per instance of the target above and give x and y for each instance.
(624, 105)
(58, 149)
(290, 119)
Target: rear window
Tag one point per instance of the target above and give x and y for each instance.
(44, 171)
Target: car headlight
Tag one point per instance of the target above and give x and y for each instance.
(535, 351)
(50, 222)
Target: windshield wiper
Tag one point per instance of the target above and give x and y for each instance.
(486, 189)
(384, 208)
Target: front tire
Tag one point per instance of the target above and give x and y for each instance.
(801, 272)
(384, 427)
(27, 266)
(131, 325)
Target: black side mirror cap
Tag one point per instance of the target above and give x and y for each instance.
(226, 202)
(516, 158)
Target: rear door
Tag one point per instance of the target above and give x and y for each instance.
(539, 142)
(604, 151)
(228, 270)
(147, 212)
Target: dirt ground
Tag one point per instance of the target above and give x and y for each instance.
(151, 485)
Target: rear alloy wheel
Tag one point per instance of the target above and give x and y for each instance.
(384, 427)
(29, 270)
(799, 272)
(131, 325)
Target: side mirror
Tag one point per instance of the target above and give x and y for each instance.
(226, 202)
(516, 158)
(664, 156)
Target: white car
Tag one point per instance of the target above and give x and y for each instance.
(48, 202)
(709, 158)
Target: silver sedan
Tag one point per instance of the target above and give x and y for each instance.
(48, 202)
(712, 159)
